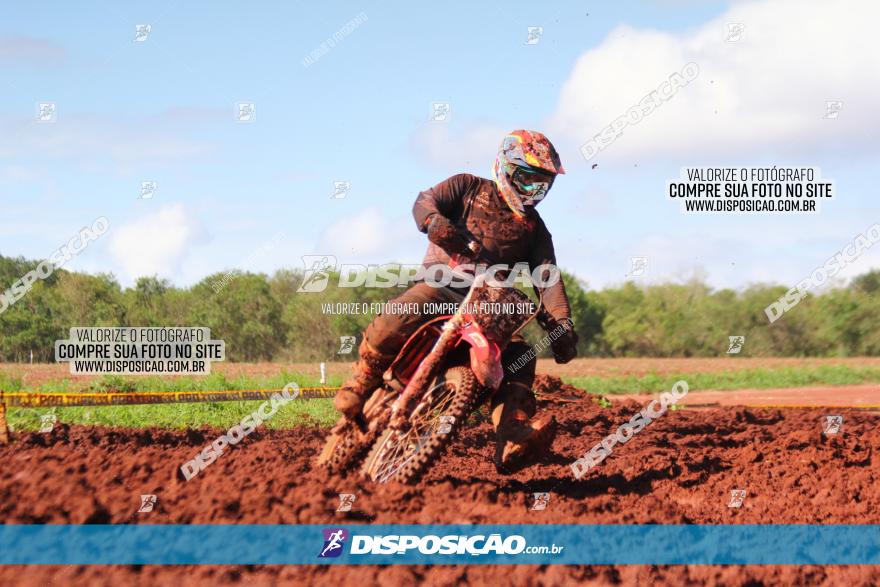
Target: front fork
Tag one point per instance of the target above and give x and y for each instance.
(425, 372)
(428, 368)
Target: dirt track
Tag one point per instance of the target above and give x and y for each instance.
(829, 396)
(680, 469)
(33, 375)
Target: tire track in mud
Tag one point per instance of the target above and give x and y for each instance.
(680, 469)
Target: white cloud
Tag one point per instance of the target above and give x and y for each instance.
(370, 236)
(769, 90)
(470, 149)
(153, 244)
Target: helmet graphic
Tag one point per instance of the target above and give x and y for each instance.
(525, 168)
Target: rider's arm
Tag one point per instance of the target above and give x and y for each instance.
(445, 198)
(555, 298)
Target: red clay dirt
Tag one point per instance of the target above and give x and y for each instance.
(680, 469)
(866, 397)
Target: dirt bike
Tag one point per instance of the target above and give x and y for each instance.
(448, 368)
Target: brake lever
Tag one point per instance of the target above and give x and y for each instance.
(545, 319)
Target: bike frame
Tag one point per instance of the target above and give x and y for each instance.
(449, 336)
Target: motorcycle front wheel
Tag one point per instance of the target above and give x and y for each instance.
(346, 445)
(404, 455)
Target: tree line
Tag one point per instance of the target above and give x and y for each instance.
(264, 317)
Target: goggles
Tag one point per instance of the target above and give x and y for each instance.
(532, 184)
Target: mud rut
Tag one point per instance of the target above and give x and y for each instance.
(680, 469)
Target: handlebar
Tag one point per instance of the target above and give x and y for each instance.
(544, 318)
(475, 248)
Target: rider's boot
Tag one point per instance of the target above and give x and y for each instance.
(367, 376)
(518, 438)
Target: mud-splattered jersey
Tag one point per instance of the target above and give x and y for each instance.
(473, 204)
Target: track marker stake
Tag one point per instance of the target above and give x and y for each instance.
(4, 430)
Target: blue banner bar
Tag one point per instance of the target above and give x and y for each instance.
(440, 544)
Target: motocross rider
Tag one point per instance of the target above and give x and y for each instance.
(500, 216)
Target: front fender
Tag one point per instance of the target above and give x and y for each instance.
(485, 357)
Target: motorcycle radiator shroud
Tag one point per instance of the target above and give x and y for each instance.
(501, 311)
(504, 311)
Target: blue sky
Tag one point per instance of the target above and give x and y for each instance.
(163, 110)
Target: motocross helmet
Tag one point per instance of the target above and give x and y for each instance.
(525, 168)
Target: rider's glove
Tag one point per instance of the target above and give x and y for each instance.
(447, 236)
(564, 346)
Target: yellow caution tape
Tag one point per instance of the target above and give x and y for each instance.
(130, 398)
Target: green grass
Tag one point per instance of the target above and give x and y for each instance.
(320, 412)
(728, 380)
(222, 415)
